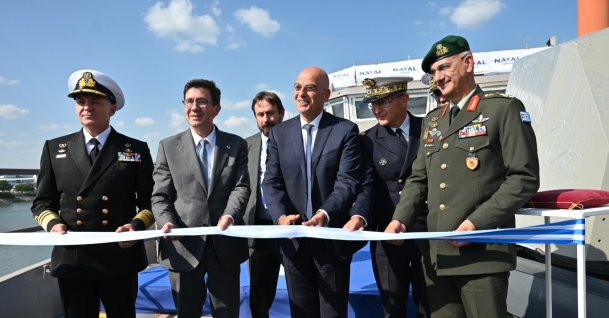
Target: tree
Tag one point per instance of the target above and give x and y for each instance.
(5, 186)
(24, 187)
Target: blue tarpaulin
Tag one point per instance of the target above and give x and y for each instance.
(364, 301)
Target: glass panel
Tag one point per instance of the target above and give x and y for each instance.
(336, 108)
(361, 109)
(417, 104)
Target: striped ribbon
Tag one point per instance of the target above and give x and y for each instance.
(564, 232)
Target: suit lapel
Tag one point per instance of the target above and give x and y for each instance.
(186, 147)
(78, 153)
(389, 141)
(295, 132)
(107, 156)
(254, 164)
(413, 144)
(221, 153)
(323, 132)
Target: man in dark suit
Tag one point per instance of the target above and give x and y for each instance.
(313, 171)
(476, 167)
(390, 148)
(95, 180)
(265, 258)
(200, 180)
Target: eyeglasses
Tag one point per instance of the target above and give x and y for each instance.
(200, 102)
(383, 102)
(445, 68)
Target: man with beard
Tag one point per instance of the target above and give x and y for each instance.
(265, 257)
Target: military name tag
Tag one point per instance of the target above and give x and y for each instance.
(63, 155)
(129, 157)
(471, 161)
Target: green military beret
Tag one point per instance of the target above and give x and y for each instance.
(448, 46)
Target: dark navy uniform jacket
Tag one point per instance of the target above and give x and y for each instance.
(98, 197)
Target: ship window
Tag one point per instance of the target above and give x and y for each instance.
(361, 109)
(417, 104)
(336, 108)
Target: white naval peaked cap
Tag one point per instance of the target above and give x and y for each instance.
(95, 82)
(383, 86)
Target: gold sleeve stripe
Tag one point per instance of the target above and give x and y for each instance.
(145, 216)
(45, 217)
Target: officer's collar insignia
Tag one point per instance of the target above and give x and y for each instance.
(441, 49)
(480, 119)
(473, 103)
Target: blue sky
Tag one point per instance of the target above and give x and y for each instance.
(151, 48)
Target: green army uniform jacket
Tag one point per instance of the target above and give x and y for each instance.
(482, 167)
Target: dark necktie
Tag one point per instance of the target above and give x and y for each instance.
(203, 160)
(400, 134)
(309, 211)
(94, 150)
(454, 111)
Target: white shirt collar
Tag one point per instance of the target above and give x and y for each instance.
(101, 137)
(315, 121)
(211, 138)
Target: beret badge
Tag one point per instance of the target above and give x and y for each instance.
(441, 49)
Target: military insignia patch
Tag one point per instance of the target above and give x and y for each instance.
(525, 117)
(471, 161)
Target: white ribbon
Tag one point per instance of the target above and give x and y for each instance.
(565, 232)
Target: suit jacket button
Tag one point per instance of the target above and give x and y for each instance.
(105, 222)
(472, 148)
(105, 211)
(400, 180)
(400, 193)
(79, 198)
(443, 166)
(442, 207)
(79, 211)
(79, 222)
(104, 198)
(445, 146)
(442, 185)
